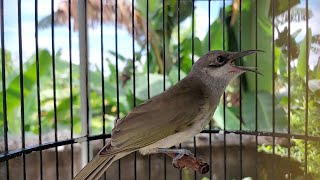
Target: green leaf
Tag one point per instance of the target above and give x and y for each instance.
(120, 57)
(199, 50)
(264, 38)
(216, 40)
(205, 178)
(301, 67)
(173, 74)
(13, 89)
(232, 122)
(282, 6)
(156, 85)
(186, 46)
(264, 117)
(141, 6)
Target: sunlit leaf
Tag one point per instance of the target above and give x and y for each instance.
(13, 89)
(301, 67)
(156, 85)
(265, 107)
(297, 15)
(281, 6)
(173, 74)
(216, 37)
(264, 39)
(232, 122)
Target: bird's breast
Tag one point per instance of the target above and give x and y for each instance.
(200, 121)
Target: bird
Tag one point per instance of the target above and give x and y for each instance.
(172, 117)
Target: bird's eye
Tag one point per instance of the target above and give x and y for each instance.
(220, 60)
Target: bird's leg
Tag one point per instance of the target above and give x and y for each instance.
(180, 153)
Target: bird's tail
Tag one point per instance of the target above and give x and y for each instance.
(95, 168)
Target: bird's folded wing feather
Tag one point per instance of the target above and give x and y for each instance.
(157, 118)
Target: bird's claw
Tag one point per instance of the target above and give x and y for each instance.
(181, 153)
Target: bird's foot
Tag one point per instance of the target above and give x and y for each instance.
(180, 153)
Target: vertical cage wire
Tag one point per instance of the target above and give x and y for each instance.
(224, 95)
(54, 89)
(192, 62)
(240, 86)
(4, 91)
(256, 84)
(87, 79)
(57, 143)
(306, 126)
(273, 86)
(102, 79)
(164, 69)
(148, 78)
(70, 84)
(38, 86)
(289, 86)
(21, 90)
(210, 128)
(117, 74)
(179, 62)
(134, 79)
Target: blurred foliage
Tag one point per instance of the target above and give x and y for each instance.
(254, 96)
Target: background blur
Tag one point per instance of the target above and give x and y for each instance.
(286, 96)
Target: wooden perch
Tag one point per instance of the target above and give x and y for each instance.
(192, 163)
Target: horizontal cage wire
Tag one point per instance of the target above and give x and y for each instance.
(75, 73)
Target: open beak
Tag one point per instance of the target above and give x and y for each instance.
(241, 54)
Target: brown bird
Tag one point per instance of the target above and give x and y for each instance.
(174, 116)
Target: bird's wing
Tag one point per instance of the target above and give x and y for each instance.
(157, 118)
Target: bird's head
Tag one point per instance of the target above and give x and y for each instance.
(221, 64)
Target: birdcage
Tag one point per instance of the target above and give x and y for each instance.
(70, 69)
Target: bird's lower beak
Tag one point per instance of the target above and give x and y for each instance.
(241, 54)
(251, 69)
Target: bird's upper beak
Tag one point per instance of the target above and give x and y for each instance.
(238, 55)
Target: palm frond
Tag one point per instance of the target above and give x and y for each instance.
(94, 16)
(124, 19)
(46, 21)
(315, 50)
(316, 39)
(296, 15)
